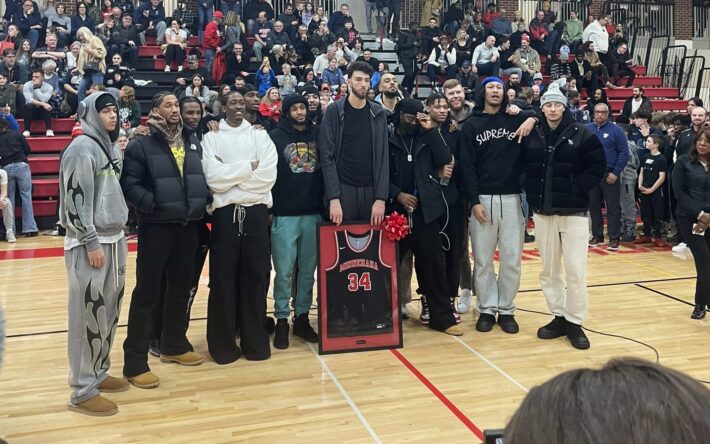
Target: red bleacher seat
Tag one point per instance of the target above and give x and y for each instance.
(625, 93)
(42, 208)
(45, 188)
(60, 126)
(44, 164)
(658, 105)
(49, 144)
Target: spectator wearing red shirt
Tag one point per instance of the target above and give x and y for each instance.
(212, 39)
(490, 15)
(538, 33)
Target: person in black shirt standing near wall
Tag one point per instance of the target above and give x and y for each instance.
(354, 157)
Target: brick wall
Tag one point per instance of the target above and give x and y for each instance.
(682, 20)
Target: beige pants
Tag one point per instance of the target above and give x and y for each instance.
(563, 240)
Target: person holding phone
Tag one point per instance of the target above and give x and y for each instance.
(691, 185)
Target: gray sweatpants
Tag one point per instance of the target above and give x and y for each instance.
(8, 214)
(628, 207)
(95, 296)
(506, 231)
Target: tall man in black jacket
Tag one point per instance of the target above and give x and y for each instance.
(163, 179)
(563, 160)
(418, 156)
(354, 156)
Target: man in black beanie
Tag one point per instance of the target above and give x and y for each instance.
(417, 153)
(297, 208)
(312, 95)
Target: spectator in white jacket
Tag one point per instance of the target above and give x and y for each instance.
(596, 32)
(239, 163)
(442, 60)
(37, 93)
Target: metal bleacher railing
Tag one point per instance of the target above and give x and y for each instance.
(701, 18)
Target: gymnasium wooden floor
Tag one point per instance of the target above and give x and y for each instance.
(436, 388)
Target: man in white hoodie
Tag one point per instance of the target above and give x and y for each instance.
(240, 166)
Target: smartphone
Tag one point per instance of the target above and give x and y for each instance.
(698, 230)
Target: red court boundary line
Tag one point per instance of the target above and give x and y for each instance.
(43, 253)
(436, 392)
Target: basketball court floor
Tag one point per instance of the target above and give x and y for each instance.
(437, 387)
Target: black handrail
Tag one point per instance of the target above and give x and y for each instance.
(688, 70)
(675, 75)
(699, 84)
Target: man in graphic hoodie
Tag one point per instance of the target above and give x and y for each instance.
(93, 212)
(491, 170)
(298, 205)
(239, 163)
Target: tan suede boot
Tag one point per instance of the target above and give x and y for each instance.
(96, 406)
(113, 385)
(145, 380)
(189, 358)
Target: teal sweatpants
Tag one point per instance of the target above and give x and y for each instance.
(293, 238)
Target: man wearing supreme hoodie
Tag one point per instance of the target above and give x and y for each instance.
(239, 163)
(93, 212)
(491, 169)
(298, 205)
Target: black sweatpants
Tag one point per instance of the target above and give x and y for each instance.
(430, 265)
(240, 260)
(457, 232)
(34, 112)
(700, 247)
(652, 213)
(410, 66)
(161, 247)
(203, 242)
(356, 202)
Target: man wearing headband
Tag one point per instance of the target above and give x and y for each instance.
(417, 149)
(491, 164)
(93, 212)
(564, 161)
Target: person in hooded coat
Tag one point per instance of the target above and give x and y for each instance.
(93, 212)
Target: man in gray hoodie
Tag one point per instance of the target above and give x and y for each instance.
(93, 212)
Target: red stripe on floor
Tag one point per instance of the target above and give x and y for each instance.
(435, 391)
(42, 253)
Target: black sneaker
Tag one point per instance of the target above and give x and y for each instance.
(281, 334)
(576, 336)
(154, 348)
(508, 324)
(485, 322)
(613, 245)
(554, 329)
(31, 234)
(597, 241)
(302, 328)
(529, 238)
(698, 312)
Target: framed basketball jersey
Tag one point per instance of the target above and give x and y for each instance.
(358, 306)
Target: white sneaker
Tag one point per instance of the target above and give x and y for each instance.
(167, 68)
(49, 133)
(180, 68)
(464, 301)
(680, 248)
(10, 236)
(26, 133)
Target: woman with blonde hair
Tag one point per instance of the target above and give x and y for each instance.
(270, 106)
(233, 32)
(91, 62)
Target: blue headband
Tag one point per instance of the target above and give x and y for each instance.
(492, 79)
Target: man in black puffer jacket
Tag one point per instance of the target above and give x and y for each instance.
(563, 160)
(163, 179)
